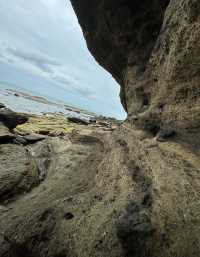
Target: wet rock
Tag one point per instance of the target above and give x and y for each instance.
(11, 119)
(78, 120)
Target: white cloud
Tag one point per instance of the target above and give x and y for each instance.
(43, 38)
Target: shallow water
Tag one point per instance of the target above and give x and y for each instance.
(21, 104)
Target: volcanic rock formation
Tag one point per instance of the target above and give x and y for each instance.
(152, 50)
(133, 191)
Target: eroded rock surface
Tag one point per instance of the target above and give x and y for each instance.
(131, 190)
(151, 48)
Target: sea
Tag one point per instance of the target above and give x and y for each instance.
(24, 101)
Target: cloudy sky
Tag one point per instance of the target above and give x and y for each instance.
(42, 50)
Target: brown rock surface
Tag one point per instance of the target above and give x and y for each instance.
(135, 191)
(152, 49)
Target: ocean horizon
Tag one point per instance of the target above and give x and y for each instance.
(21, 99)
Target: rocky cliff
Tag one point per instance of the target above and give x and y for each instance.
(133, 191)
(152, 50)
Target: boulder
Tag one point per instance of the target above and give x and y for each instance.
(11, 119)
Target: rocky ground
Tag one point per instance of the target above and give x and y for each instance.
(107, 189)
(48, 164)
(151, 48)
(68, 189)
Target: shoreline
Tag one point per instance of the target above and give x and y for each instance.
(20, 101)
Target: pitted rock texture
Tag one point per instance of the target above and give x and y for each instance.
(115, 195)
(121, 32)
(133, 191)
(151, 48)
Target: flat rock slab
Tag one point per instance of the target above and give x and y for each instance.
(32, 138)
(28, 139)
